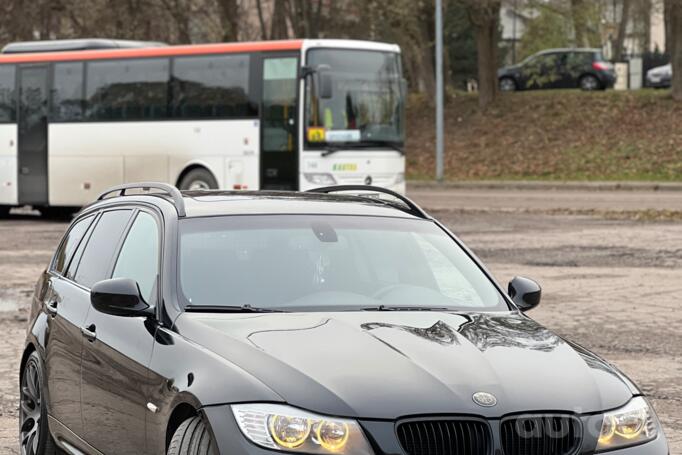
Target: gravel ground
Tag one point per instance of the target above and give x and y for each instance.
(611, 285)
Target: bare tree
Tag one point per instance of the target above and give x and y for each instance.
(229, 17)
(578, 14)
(626, 6)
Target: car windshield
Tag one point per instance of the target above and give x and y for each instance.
(366, 104)
(328, 263)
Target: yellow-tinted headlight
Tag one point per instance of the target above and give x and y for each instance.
(289, 432)
(280, 427)
(332, 435)
(633, 424)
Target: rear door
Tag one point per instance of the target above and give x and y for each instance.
(66, 305)
(279, 124)
(32, 135)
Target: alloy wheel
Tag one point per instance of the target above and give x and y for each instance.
(507, 85)
(30, 411)
(589, 83)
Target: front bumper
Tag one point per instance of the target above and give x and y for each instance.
(658, 82)
(608, 79)
(382, 436)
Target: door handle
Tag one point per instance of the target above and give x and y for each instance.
(51, 308)
(89, 332)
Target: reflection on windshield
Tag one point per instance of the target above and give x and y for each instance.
(315, 262)
(366, 106)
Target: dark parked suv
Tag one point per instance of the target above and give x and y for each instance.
(559, 68)
(210, 322)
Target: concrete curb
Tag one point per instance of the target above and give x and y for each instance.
(543, 185)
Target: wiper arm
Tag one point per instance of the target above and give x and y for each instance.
(230, 309)
(406, 308)
(330, 150)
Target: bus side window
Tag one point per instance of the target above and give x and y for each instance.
(67, 92)
(7, 94)
(135, 89)
(211, 87)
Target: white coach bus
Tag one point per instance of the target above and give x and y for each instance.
(79, 116)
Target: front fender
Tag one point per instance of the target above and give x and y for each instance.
(182, 371)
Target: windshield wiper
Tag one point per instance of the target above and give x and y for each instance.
(406, 308)
(331, 149)
(230, 309)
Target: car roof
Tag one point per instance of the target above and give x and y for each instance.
(205, 203)
(569, 49)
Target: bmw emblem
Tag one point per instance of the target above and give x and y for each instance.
(368, 180)
(487, 400)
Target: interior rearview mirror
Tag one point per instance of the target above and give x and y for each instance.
(325, 85)
(119, 297)
(525, 293)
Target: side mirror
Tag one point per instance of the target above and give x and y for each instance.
(326, 89)
(119, 297)
(525, 293)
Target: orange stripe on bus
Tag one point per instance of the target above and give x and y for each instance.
(166, 51)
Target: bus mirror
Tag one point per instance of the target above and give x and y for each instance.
(326, 89)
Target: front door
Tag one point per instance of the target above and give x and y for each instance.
(279, 125)
(118, 351)
(32, 136)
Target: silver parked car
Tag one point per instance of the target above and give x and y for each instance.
(660, 77)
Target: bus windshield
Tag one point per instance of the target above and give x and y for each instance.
(366, 106)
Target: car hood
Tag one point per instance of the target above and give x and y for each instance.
(513, 69)
(661, 70)
(393, 364)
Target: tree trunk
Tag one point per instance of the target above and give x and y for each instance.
(279, 28)
(486, 45)
(261, 20)
(579, 22)
(667, 15)
(676, 47)
(622, 31)
(485, 17)
(229, 15)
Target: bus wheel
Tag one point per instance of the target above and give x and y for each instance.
(198, 179)
(4, 211)
(57, 213)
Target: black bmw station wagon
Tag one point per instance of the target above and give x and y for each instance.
(339, 321)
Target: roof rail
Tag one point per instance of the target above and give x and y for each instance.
(413, 208)
(165, 188)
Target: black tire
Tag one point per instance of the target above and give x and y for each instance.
(192, 438)
(508, 84)
(198, 179)
(57, 213)
(4, 211)
(589, 83)
(34, 433)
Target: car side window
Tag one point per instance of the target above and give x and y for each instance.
(68, 246)
(139, 256)
(96, 259)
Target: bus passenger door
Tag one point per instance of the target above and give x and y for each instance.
(32, 135)
(279, 126)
